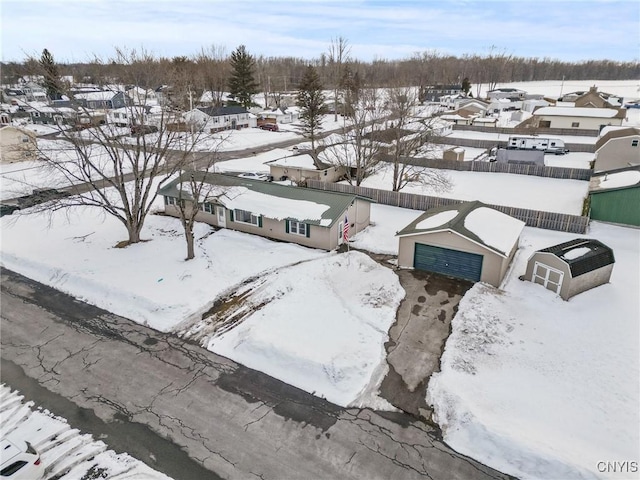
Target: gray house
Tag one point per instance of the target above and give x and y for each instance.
(571, 267)
(313, 218)
(468, 240)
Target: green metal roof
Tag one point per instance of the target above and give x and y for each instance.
(337, 202)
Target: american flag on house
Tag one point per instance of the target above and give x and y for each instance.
(345, 229)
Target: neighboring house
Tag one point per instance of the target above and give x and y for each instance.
(12, 95)
(299, 168)
(503, 104)
(433, 93)
(313, 218)
(103, 100)
(595, 99)
(17, 144)
(469, 241)
(90, 119)
(614, 196)
(577, 118)
(45, 115)
(485, 121)
(216, 119)
(572, 267)
(454, 154)
(512, 93)
(277, 115)
(617, 148)
(128, 116)
(34, 92)
(459, 118)
(532, 104)
(141, 96)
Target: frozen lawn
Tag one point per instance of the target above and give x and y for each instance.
(542, 388)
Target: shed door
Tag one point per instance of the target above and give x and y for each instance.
(547, 276)
(454, 263)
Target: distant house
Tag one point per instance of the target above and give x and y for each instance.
(577, 118)
(511, 93)
(595, 99)
(277, 115)
(17, 144)
(216, 119)
(503, 104)
(433, 93)
(461, 117)
(617, 148)
(102, 100)
(614, 196)
(313, 218)
(12, 95)
(571, 267)
(299, 168)
(468, 240)
(44, 115)
(530, 105)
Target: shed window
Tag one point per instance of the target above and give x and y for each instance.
(575, 124)
(25, 139)
(244, 216)
(634, 143)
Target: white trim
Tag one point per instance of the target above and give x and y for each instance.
(545, 279)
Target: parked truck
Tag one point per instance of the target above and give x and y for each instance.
(533, 142)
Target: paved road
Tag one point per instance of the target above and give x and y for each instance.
(125, 379)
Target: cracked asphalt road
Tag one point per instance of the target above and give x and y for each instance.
(176, 398)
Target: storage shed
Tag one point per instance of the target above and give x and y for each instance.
(469, 240)
(571, 267)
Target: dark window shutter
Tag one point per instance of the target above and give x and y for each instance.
(286, 226)
(231, 215)
(260, 221)
(307, 229)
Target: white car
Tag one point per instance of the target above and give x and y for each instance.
(19, 460)
(255, 176)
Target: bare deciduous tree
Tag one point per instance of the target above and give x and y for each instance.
(338, 55)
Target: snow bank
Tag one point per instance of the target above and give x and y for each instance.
(322, 326)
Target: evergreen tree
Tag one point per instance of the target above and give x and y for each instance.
(242, 84)
(311, 101)
(466, 86)
(51, 76)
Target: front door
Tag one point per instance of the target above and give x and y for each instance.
(548, 277)
(222, 219)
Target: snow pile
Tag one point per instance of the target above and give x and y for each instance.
(321, 327)
(542, 388)
(437, 220)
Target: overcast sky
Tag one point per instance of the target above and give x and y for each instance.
(75, 30)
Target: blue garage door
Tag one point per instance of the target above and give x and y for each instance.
(454, 263)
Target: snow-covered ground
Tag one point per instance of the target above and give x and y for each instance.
(65, 452)
(503, 137)
(542, 388)
(628, 89)
(523, 191)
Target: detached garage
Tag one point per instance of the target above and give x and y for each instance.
(469, 241)
(571, 267)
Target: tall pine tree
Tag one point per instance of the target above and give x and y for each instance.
(51, 76)
(242, 84)
(311, 101)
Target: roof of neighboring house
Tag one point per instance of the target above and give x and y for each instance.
(23, 131)
(578, 112)
(102, 96)
(475, 221)
(506, 90)
(295, 161)
(220, 111)
(618, 179)
(583, 255)
(609, 133)
(280, 202)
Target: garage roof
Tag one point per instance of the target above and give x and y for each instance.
(582, 255)
(475, 221)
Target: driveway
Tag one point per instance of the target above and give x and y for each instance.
(417, 338)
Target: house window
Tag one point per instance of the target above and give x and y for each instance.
(170, 201)
(36, 114)
(634, 143)
(208, 207)
(243, 216)
(298, 228)
(575, 124)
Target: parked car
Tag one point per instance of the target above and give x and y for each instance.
(143, 129)
(269, 126)
(19, 460)
(255, 176)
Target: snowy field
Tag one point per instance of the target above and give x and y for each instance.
(523, 191)
(503, 137)
(542, 388)
(65, 452)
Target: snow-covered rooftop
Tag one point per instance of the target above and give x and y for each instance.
(576, 112)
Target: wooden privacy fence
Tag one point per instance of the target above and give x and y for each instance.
(539, 131)
(533, 218)
(535, 170)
